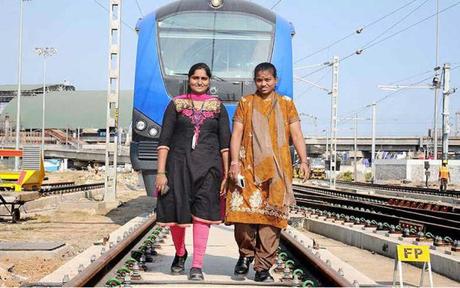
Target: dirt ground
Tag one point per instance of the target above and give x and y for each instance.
(78, 230)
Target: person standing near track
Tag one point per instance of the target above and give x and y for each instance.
(261, 169)
(444, 176)
(192, 167)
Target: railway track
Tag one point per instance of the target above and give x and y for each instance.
(406, 189)
(129, 263)
(373, 211)
(67, 187)
(12, 203)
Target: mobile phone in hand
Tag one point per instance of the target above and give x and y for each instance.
(165, 190)
(240, 181)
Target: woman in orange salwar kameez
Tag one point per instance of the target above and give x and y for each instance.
(262, 126)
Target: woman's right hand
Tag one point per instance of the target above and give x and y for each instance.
(161, 182)
(234, 171)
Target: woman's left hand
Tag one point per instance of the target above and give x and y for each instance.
(305, 171)
(223, 186)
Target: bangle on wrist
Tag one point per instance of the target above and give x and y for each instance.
(235, 163)
(161, 173)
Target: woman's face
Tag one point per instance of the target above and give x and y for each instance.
(199, 82)
(265, 82)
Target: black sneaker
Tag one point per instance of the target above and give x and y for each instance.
(263, 276)
(242, 266)
(178, 264)
(196, 274)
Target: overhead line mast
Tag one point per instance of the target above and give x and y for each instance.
(113, 96)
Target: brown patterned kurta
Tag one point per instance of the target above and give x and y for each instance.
(251, 204)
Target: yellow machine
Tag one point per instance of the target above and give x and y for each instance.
(318, 173)
(30, 176)
(318, 168)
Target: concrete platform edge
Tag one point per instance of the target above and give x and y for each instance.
(441, 263)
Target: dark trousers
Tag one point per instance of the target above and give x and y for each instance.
(258, 241)
(443, 187)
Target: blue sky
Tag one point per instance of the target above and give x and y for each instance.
(78, 29)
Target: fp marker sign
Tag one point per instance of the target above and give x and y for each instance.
(412, 253)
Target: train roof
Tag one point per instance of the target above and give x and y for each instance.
(203, 5)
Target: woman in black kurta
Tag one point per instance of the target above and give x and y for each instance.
(192, 167)
(194, 175)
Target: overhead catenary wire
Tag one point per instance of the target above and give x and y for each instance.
(276, 4)
(108, 11)
(139, 8)
(365, 107)
(395, 24)
(411, 77)
(311, 86)
(358, 31)
(359, 51)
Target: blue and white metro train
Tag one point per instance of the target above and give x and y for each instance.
(231, 36)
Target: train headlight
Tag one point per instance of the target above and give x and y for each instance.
(140, 125)
(216, 4)
(153, 131)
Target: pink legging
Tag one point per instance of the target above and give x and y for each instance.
(200, 240)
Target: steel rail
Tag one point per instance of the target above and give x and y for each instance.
(319, 269)
(92, 273)
(71, 188)
(58, 184)
(437, 229)
(417, 190)
(329, 277)
(419, 214)
(384, 200)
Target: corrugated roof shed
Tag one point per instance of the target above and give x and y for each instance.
(24, 87)
(70, 109)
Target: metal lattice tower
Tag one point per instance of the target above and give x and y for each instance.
(334, 102)
(113, 95)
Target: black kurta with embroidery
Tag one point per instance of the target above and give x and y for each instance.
(194, 174)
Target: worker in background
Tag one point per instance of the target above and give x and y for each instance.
(444, 176)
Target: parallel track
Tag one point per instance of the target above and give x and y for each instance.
(69, 187)
(408, 189)
(365, 207)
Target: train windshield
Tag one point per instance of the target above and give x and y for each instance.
(231, 44)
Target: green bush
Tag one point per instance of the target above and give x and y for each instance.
(368, 176)
(346, 176)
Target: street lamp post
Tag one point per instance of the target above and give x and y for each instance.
(44, 52)
(18, 101)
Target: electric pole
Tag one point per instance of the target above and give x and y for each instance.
(436, 87)
(445, 111)
(373, 140)
(113, 95)
(355, 167)
(334, 96)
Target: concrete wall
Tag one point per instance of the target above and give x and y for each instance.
(413, 170)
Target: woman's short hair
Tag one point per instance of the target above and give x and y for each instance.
(265, 66)
(198, 66)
